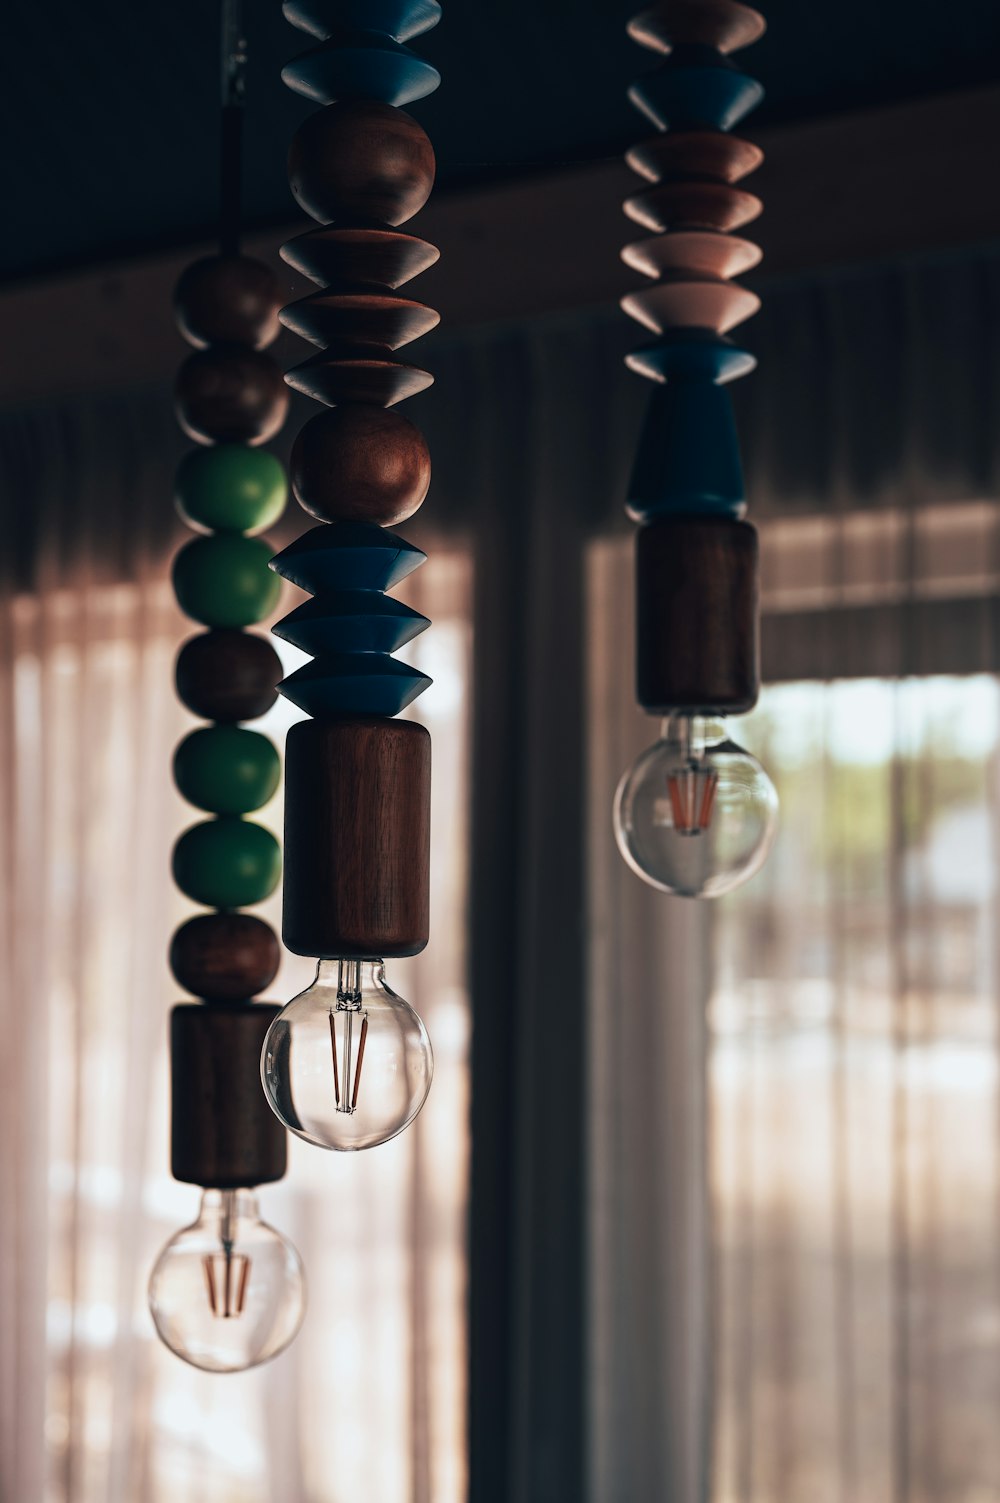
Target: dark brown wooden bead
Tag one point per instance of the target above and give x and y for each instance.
(360, 464)
(357, 377)
(357, 838)
(697, 615)
(354, 315)
(725, 24)
(361, 160)
(225, 957)
(230, 395)
(694, 153)
(228, 300)
(698, 204)
(223, 1134)
(228, 675)
(382, 258)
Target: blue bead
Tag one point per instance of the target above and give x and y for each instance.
(692, 352)
(350, 622)
(689, 455)
(361, 65)
(347, 556)
(696, 97)
(400, 19)
(364, 683)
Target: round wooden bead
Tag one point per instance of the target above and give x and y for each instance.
(361, 464)
(230, 395)
(227, 675)
(361, 160)
(227, 863)
(225, 957)
(228, 300)
(224, 580)
(230, 488)
(226, 770)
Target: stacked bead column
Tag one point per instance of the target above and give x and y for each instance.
(357, 804)
(696, 559)
(230, 399)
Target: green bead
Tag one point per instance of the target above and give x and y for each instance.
(227, 770)
(224, 580)
(227, 863)
(230, 488)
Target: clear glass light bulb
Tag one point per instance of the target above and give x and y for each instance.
(347, 1064)
(695, 814)
(229, 1291)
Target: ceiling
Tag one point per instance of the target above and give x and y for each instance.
(111, 110)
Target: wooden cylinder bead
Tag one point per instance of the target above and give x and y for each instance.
(225, 957)
(230, 395)
(228, 300)
(697, 615)
(228, 675)
(357, 838)
(360, 464)
(361, 161)
(223, 1134)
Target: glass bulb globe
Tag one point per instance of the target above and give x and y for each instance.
(695, 814)
(347, 1064)
(229, 1291)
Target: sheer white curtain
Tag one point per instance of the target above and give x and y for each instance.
(370, 1399)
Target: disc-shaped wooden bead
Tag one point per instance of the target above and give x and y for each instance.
(693, 205)
(228, 675)
(381, 258)
(356, 316)
(691, 302)
(694, 153)
(227, 863)
(705, 253)
(230, 488)
(225, 769)
(225, 957)
(224, 580)
(228, 300)
(355, 378)
(361, 464)
(361, 160)
(230, 395)
(724, 24)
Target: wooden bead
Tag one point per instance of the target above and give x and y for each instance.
(357, 838)
(228, 675)
(223, 1134)
(360, 317)
(695, 205)
(224, 580)
(360, 464)
(225, 957)
(228, 300)
(230, 395)
(691, 302)
(694, 153)
(724, 24)
(230, 488)
(705, 253)
(382, 258)
(361, 160)
(357, 376)
(226, 770)
(227, 863)
(697, 615)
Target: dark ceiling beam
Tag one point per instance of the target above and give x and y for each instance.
(880, 184)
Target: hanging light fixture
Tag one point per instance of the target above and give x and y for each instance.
(348, 1064)
(695, 814)
(228, 1291)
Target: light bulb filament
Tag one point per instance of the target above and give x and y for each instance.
(692, 797)
(226, 1277)
(348, 1102)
